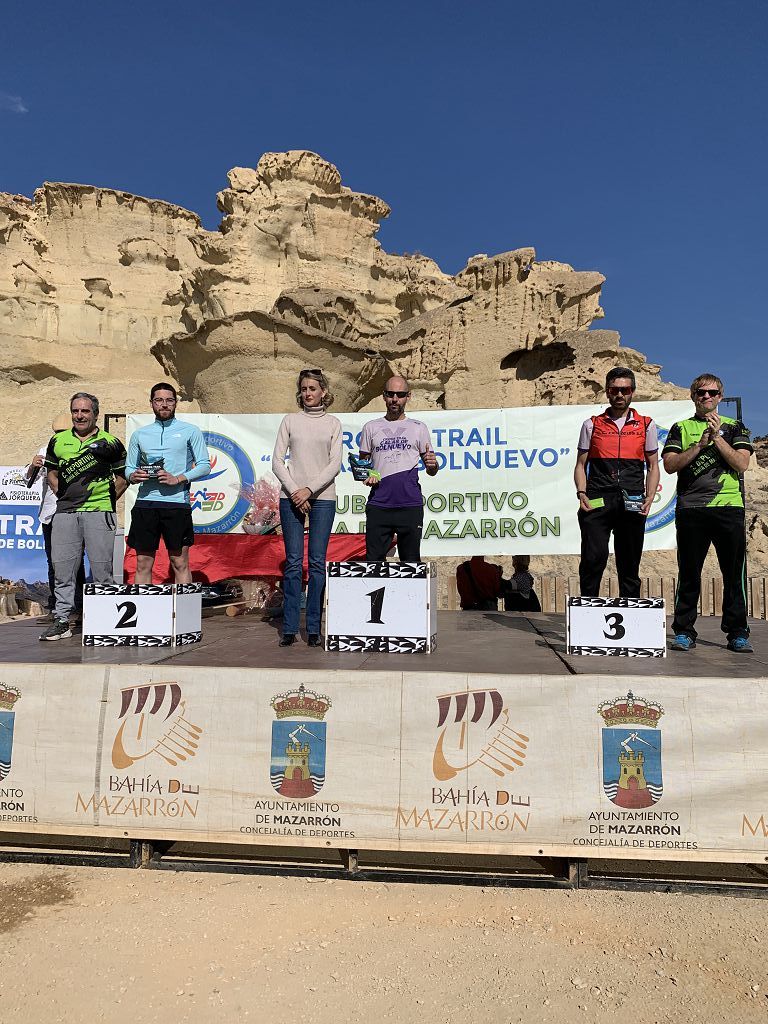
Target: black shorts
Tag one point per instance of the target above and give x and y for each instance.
(148, 525)
(381, 524)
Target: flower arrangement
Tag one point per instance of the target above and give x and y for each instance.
(263, 497)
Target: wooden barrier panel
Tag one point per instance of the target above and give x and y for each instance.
(552, 590)
(672, 769)
(757, 593)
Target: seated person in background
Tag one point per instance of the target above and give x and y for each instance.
(519, 595)
(479, 584)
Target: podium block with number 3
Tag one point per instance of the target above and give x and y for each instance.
(381, 606)
(630, 627)
(141, 614)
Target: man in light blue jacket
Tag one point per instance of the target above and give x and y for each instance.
(163, 459)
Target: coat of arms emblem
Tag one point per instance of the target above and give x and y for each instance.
(8, 697)
(631, 751)
(297, 768)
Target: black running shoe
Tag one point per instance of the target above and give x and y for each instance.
(58, 630)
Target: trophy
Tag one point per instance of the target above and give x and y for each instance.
(153, 468)
(105, 451)
(633, 502)
(362, 468)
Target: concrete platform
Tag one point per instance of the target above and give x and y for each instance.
(504, 643)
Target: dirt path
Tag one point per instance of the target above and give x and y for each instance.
(92, 944)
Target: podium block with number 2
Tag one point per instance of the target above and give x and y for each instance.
(630, 627)
(381, 606)
(141, 614)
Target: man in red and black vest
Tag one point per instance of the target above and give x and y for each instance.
(615, 492)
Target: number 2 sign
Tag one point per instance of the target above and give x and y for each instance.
(141, 614)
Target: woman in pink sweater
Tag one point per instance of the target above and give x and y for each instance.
(306, 461)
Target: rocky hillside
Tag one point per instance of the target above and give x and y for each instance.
(106, 291)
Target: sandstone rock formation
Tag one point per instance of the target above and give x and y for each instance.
(89, 278)
(108, 292)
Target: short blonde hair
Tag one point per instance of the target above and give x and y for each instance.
(322, 380)
(705, 378)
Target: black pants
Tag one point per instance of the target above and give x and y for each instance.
(697, 528)
(79, 583)
(628, 534)
(381, 524)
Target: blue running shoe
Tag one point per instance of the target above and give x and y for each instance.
(683, 642)
(741, 645)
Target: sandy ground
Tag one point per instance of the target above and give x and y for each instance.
(90, 944)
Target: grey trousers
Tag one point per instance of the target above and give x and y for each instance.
(73, 531)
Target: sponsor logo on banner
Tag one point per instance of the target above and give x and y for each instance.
(663, 509)
(153, 729)
(218, 505)
(13, 477)
(13, 805)
(502, 749)
(631, 778)
(152, 722)
(22, 549)
(9, 695)
(297, 768)
(475, 731)
(631, 745)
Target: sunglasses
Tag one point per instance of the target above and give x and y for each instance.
(307, 370)
(619, 391)
(707, 392)
(396, 394)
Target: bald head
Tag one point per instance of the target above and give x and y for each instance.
(396, 394)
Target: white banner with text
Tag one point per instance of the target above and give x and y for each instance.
(505, 484)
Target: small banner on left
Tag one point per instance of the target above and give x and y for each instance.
(22, 551)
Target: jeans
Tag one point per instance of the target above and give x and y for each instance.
(321, 516)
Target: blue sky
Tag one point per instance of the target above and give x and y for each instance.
(622, 137)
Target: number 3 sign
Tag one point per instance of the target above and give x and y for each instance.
(632, 627)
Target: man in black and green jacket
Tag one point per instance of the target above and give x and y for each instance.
(86, 472)
(709, 453)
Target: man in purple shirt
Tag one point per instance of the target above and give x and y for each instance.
(395, 446)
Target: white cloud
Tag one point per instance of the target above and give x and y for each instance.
(13, 104)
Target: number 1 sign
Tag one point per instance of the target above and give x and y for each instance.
(381, 606)
(630, 627)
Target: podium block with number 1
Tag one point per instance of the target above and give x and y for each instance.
(381, 606)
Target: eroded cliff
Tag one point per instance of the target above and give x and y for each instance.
(107, 292)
